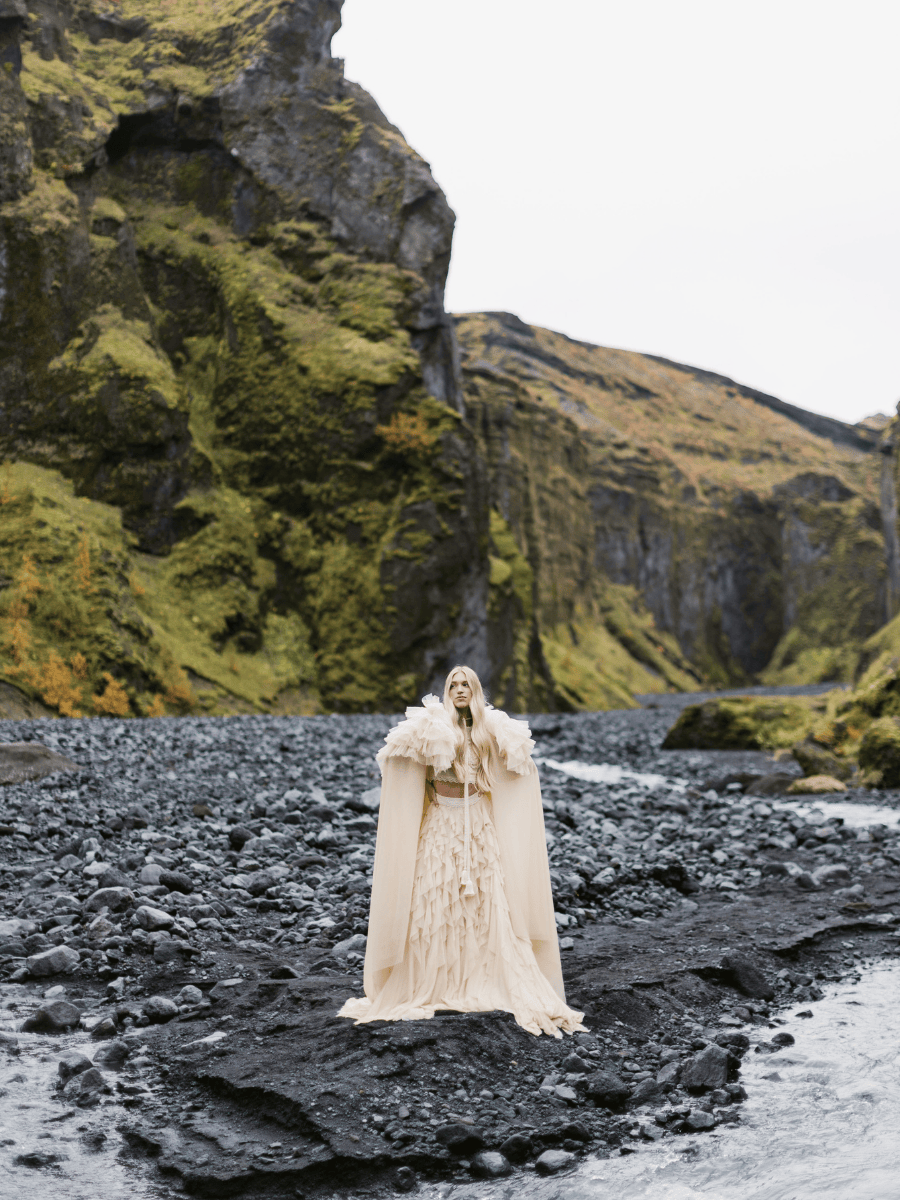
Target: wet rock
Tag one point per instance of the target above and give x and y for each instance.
(238, 835)
(160, 1009)
(55, 1017)
(783, 1039)
(517, 1148)
(738, 1043)
(832, 875)
(697, 1120)
(648, 1091)
(607, 1089)
(551, 1162)
(405, 1179)
(41, 1158)
(114, 898)
(113, 1055)
(706, 1070)
(104, 1029)
(747, 977)
(86, 1088)
(176, 881)
(816, 760)
(153, 919)
(459, 1139)
(59, 960)
(73, 1062)
(490, 1164)
(806, 881)
(21, 761)
(9, 1042)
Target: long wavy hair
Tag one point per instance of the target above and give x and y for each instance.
(481, 737)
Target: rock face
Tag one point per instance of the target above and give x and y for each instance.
(227, 373)
(30, 760)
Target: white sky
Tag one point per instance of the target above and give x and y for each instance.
(714, 181)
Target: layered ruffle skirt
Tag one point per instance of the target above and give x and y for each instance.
(461, 952)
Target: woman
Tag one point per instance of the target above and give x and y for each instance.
(462, 914)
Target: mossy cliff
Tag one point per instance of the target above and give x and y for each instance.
(747, 533)
(231, 400)
(221, 318)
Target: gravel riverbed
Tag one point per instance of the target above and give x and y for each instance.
(190, 895)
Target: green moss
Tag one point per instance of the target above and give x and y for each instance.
(741, 723)
(879, 753)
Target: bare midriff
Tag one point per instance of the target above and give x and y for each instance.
(457, 790)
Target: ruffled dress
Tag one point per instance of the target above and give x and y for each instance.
(462, 953)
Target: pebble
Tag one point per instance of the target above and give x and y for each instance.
(489, 1164)
(159, 1009)
(551, 1162)
(153, 919)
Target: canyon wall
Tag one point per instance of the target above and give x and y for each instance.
(250, 463)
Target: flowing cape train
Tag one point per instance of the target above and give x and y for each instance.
(427, 739)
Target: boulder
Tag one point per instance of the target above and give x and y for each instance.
(607, 1089)
(490, 1164)
(459, 1139)
(112, 877)
(517, 1148)
(20, 761)
(647, 1091)
(189, 995)
(697, 1119)
(153, 919)
(114, 898)
(668, 1074)
(113, 1054)
(73, 1062)
(832, 875)
(879, 753)
(736, 723)
(706, 1070)
(58, 960)
(56, 1017)
(159, 1009)
(817, 760)
(176, 881)
(551, 1162)
(747, 977)
(816, 785)
(86, 1088)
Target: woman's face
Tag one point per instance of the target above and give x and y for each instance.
(460, 691)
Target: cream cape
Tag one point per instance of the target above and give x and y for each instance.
(427, 739)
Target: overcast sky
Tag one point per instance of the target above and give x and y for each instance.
(712, 181)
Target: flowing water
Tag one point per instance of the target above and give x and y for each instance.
(821, 1122)
(73, 1152)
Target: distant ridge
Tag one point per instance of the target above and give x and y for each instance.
(828, 427)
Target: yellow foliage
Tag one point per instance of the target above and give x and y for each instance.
(113, 700)
(137, 589)
(155, 708)
(18, 626)
(179, 693)
(54, 681)
(407, 433)
(79, 665)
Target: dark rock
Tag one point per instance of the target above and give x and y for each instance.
(113, 1055)
(20, 761)
(737, 1043)
(459, 1139)
(86, 1088)
(52, 1018)
(405, 1179)
(573, 1064)
(36, 942)
(706, 1070)
(40, 1158)
(113, 896)
(283, 971)
(238, 835)
(575, 1131)
(697, 1120)
(259, 882)
(783, 1039)
(517, 1148)
(816, 760)
(675, 874)
(490, 1164)
(112, 877)
(177, 881)
(160, 1009)
(607, 1089)
(647, 1092)
(551, 1162)
(805, 880)
(776, 784)
(747, 978)
(60, 960)
(73, 1062)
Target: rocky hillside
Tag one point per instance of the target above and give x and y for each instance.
(243, 469)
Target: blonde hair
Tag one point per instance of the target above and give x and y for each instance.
(481, 737)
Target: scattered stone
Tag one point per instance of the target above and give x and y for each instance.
(153, 919)
(73, 1062)
(160, 1009)
(607, 1089)
(56, 1017)
(747, 977)
(40, 1158)
(832, 875)
(112, 897)
(490, 1164)
(189, 995)
(806, 881)
(351, 945)
(706, 1070)
(112, 877)
(697, 1119)
(176, 881)
(20, 761)
(150, 873)
(59, 960)
(551, 1162)
(238, 835)
(517, 1148)
(459, 1139)
(113, 1055)
(86, 1088)
(783, 1039)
